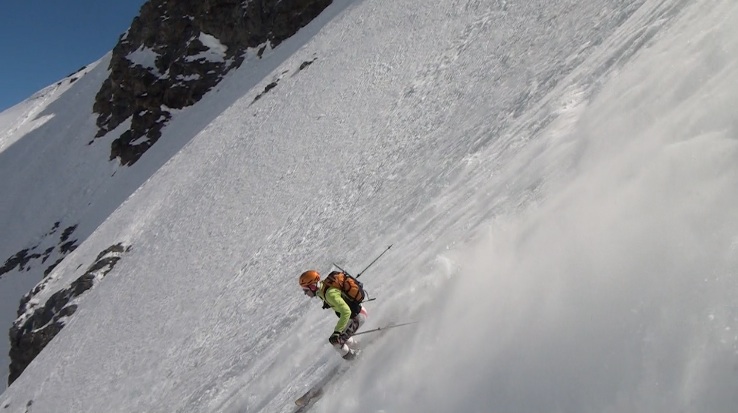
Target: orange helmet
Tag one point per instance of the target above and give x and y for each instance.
(309, 277)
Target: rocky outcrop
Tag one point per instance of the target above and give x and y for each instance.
(275, 82)
(24, 259)
(176, 51)
(37, 325)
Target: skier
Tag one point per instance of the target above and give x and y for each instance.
(351, 314)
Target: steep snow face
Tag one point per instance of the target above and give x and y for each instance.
(58, 184)
(557, 178)
(606, 281)
(35, 137)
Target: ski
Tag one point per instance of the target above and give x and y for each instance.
(316, 391)
(307, 400)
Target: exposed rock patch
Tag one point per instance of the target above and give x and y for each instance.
(275, 82)
(38, 324)
(175, 52)
(25, 258)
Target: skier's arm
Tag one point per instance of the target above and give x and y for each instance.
(334, 299)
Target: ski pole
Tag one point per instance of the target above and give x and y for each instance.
(375, 260)
(385, 328)
(342, 270)
(367, 267)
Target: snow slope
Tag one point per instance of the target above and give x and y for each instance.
(558, 179)
(57, 178)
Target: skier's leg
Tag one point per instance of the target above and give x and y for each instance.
(354, 325)
(361, 317)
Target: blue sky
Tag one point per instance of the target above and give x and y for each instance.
(44, 41)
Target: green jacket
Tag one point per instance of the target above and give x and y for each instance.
(332, 296)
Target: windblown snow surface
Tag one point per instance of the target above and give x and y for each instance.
(559, 180)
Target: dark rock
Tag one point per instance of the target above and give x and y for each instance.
(67, 233)
(20, 260)
(165, 60)
(37, 326)
(306, 64)
(266, 89)
(23, 258)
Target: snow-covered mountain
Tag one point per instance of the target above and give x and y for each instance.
(165, 63)
(558, 181)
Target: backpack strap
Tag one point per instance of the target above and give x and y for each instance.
(323, 289)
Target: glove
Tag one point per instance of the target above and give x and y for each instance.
(336, 339)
